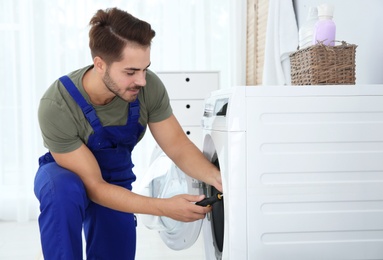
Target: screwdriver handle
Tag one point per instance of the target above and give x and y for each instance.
(207, 202)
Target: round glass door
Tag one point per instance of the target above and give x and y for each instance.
(164, 180)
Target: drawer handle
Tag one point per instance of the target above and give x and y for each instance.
(187, 79)
(187, 106)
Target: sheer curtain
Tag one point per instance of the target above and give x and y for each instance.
(44, 39)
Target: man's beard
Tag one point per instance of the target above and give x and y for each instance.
(112, 87)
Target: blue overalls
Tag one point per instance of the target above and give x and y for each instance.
(64, 205)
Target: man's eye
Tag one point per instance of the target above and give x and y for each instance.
(130, 73)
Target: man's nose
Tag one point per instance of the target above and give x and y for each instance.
(141, 79)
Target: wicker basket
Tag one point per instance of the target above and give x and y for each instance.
(323, 65)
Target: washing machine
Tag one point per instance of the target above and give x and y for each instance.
(164, 180)
(302, 174)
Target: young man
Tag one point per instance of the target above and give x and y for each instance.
(90, 122)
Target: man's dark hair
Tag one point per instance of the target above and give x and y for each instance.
(112, 29)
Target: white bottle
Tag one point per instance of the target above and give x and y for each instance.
(306, 32)
(325, 27)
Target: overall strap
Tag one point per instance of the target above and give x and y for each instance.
(134, 112)
(86, 108)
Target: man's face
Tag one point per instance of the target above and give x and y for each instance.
(125, 78)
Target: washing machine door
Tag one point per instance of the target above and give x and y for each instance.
(164, 180)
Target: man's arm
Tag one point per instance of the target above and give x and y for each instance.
(174, 142)
(82, 162)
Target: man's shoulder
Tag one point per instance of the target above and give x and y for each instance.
(57, 92)
(152, 79)
(154, 88)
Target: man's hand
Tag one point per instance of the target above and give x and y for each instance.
(182, 208)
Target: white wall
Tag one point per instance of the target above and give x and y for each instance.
(198, 35)
(357, 22)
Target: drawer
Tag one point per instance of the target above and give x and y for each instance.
(189, 85)
(195, 135)
(188, 112)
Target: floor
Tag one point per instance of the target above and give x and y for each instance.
(20, 241)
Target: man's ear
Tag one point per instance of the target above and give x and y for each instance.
(99, 65)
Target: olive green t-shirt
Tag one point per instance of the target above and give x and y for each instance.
(64, 127)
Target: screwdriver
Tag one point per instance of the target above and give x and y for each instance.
(207, 202)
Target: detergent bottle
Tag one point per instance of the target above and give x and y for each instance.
(306, 32)
(325, 27)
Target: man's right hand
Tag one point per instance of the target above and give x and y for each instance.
(182, 208)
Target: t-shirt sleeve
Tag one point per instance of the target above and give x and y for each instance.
(57, 127)
(158, 107)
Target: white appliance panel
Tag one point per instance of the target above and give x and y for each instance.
(315, 173)
(228, 149)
